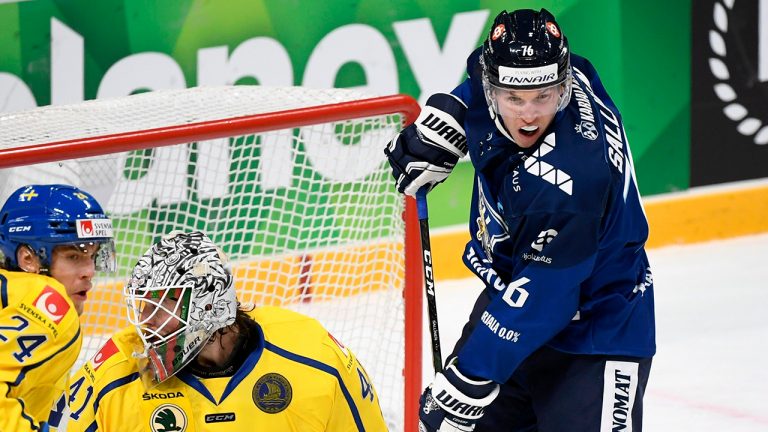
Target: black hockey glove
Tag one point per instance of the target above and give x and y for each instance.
(424, 153)
(454, 403)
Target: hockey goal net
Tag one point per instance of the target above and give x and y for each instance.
(290, 182)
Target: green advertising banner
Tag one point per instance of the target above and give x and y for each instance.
(62, 52)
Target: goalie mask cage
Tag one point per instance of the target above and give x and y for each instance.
(291, 182)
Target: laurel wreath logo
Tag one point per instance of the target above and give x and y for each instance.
(747, 125)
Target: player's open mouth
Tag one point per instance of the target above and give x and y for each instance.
(529, 130)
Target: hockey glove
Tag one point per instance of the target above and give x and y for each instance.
(454, 403)
(424, 153)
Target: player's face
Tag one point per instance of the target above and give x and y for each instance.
(74, 267)
(527, 113)
(159, 311)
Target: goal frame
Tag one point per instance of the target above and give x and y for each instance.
(402, 104)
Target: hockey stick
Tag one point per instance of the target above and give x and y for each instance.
(429, 278)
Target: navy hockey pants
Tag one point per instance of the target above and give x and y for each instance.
(554, 391)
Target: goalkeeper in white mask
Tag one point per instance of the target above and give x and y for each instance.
(193, 360)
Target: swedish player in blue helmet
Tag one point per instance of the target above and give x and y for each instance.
(40, 222)
(563, 335)
(53, 239)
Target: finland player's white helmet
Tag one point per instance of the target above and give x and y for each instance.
(180, 293)
(525, 51)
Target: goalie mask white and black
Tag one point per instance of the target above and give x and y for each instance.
(179, 294)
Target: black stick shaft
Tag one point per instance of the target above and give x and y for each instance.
(429, 280)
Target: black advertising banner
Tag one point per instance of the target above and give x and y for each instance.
(729, 91)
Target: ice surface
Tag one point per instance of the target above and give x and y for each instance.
(710, 372)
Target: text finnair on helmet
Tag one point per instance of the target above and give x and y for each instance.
(528, 76)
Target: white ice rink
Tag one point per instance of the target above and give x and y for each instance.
(710, 372)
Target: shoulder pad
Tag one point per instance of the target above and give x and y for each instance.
(272, 315)
(303, 335)
(345, 355)
(46, 303)
(114, 358)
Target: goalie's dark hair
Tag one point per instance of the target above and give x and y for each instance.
(243, 323)
(245, 329)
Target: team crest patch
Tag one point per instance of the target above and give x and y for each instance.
(52, 304)
(497, 32)
(587, 129)
(168, 418)
(552, 29)
(272, 393)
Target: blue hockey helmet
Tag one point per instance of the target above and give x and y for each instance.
(526, 50)
(45, 216)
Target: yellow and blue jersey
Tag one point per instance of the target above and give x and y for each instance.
(299, 378)
(40, 340)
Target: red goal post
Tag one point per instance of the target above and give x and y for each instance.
(291, 182)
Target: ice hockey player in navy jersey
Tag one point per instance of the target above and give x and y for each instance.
(563, 335)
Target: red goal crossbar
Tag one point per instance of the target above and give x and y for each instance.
(88, 146)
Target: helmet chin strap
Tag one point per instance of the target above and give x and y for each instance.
(565, 95)
(500, 124)
(493, 107)
(564, 98)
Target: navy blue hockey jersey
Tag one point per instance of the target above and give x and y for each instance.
(557, 234)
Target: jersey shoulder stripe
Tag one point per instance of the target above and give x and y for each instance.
(304, 340)
(78, 406)
(110, 369)
(115, 384)
(325, 368)
(3, 291)
(303, 335)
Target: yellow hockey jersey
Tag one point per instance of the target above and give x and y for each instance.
(298, 379)
(40, 340)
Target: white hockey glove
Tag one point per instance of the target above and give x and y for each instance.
(424, 153)
(454, 403)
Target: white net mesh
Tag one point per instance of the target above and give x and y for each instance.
(308, 214)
